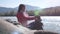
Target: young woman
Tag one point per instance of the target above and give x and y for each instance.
(22, 15)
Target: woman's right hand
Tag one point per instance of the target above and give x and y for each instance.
(37, 18)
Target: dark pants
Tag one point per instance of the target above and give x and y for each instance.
(36, 26)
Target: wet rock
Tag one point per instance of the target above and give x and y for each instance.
(13, 22)
(8, 28)
(45, 32)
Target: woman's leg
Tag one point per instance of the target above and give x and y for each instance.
(24, 24)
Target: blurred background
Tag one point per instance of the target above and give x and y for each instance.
(49, 10)
(45, 7)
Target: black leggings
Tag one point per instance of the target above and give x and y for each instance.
(35, 26)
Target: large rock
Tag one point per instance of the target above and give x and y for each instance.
(44, 32)
(8, 28)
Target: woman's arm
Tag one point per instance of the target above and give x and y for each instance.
(29, 17)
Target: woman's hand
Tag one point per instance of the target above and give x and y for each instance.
(37, 18)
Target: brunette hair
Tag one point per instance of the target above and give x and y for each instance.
(20, 7)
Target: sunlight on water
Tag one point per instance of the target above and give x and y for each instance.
(50, 22)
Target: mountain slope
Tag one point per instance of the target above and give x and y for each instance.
(52, 11)
(13, 11)
(4, 9)
(28, 8)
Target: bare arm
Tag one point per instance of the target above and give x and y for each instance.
(28, 17)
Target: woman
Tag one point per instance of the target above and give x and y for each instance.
(22, 16)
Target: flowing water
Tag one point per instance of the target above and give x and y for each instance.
(51, 23)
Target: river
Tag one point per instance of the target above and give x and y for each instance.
(49, 22)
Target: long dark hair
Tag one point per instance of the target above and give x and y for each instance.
(20, 7)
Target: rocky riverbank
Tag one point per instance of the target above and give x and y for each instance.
(8, 28)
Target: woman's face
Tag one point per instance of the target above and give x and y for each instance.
(23, 8)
